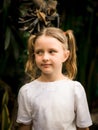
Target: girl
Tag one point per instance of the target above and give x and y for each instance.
(53, 101)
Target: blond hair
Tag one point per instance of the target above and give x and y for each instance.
(67, 38)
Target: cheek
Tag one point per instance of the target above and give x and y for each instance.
(37, 59)
(58, 60)
(62, 58)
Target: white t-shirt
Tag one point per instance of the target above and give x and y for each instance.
(58, 105)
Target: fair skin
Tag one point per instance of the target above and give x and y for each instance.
(49, 58)
(24, 127)
(82, 128)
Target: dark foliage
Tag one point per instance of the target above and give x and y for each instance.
(21, 18)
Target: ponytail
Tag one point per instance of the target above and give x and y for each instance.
(31, 59)
(71, 63)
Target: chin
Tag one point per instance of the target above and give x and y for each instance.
(47, 73)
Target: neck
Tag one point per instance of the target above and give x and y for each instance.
(49, 78)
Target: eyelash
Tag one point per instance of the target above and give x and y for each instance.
(52, 51)
(39, 52)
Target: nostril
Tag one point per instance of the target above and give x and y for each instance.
(45, 59)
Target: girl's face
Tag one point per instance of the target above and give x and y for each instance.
(50, 55)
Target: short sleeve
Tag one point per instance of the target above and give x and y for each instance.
(83, 118)
(24, 107)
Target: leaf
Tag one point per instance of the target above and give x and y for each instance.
(7, 38)
(5, 118)
(6, 123)
(41, 16)
(5, 98)
(15, 46)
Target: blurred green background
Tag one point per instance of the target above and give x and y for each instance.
(21, 18)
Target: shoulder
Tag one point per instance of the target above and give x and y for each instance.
(76, 84)
(26, 88)
(77, 87)
(79, 90)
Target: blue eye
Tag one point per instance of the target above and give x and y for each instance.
(52, 51)
(39, 52)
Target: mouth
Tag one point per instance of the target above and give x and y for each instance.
(45, 65)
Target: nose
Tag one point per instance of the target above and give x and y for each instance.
(45, 56)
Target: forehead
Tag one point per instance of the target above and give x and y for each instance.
(48, 42)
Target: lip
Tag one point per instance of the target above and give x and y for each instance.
(45, 65)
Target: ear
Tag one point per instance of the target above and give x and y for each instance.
(66, 55)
